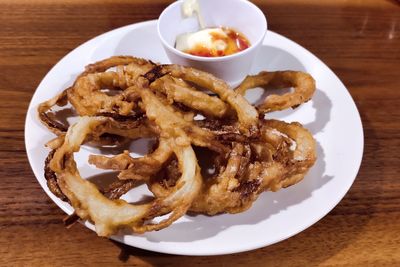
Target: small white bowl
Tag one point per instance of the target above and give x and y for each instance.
(241, 15)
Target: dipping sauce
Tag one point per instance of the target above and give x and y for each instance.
(212, 42)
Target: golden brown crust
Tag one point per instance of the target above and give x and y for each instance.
(247, 155)
(303, 84)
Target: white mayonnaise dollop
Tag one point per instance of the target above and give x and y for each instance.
(203, 38)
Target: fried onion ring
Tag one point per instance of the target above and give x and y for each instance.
(110, 215)
(247, 114)
(181, 92)
(284, 162)
(303, 84)
(86, 95)
(52, 124)
(88, 99)
(127, 98)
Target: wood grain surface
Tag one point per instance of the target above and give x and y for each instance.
(359, 40)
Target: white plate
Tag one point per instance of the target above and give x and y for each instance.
(331, 116)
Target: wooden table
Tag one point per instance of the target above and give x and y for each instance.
(359, 40)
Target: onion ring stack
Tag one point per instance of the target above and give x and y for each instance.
(218, 162)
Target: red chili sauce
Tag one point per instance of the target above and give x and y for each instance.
(235, 42)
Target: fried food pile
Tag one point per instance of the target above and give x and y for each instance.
(215, 153)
